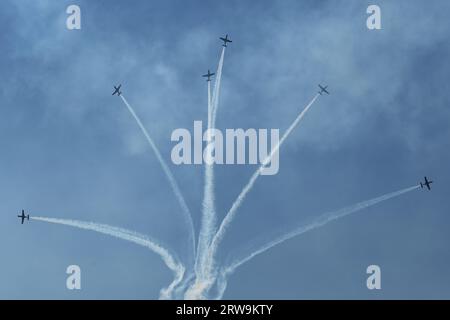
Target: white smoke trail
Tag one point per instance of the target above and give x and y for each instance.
(318, 222)
(209, 104)
(222, 282)
(180, 289)
(173, 183)
(131, 236)
(209, 220)
(217, 82)
(240, 199)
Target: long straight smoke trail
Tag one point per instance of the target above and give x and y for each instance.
(318, 222)
(241, 197)
(215, 98)
(131, 236)
(208, 212)
(173, 183)
(208, 224)
(209, 104)
(291, 128)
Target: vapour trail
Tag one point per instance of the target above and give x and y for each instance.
(131, 236)
(217, 82)
(240, 199)
(209, 104)
(209, 220)
(173, 183)
(318, 222)
(208, 211)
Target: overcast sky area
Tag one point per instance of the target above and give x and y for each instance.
(71, 150)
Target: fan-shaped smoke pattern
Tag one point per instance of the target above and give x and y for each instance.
(205, 277)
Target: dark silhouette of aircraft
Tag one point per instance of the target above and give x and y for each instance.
(208, 75)
(323, 90)
(23, 216)
(426, 184)
(117, 90)
(225, 40)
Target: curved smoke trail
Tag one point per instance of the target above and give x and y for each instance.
(217, 82)
(131, 236)
(240, 199)
(318, 222)
(209, 220)
(173, 183)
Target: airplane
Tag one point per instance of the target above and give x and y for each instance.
(208, 75)
(117, 90)
(323, 89)
(225, 40)
(23, 216)
(426, 183)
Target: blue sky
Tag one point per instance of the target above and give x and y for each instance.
(70, 150)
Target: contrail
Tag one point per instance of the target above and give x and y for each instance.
(221, 283)
(318, 222)
(208, 213)
(240, 199)
(131, 236)
(217, 82)
(208, 224)
(180, 289)
(173, 183)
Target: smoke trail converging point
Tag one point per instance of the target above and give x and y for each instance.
(173, 183)
(131, 236)
(209, 104)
